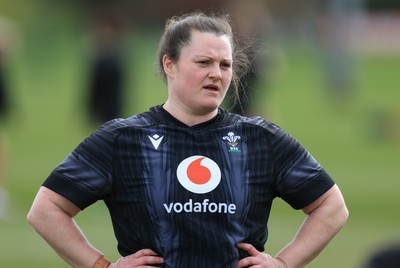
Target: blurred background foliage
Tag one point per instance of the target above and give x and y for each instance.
(333, 84)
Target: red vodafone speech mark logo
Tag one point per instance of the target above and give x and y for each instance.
(198, 174)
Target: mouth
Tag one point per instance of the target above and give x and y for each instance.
(211, 87)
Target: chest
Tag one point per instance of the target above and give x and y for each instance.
(220, 172)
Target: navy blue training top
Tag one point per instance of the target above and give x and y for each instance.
(189, 193)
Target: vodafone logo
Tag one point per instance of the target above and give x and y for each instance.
(198, 174)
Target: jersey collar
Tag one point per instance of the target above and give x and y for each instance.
(172, 120)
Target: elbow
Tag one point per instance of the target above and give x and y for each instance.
(339, 209)
(343, 215)
(339, 216)
(35, 218)
(31, 218)
(38, 221)
(342, 212)
(337, 213)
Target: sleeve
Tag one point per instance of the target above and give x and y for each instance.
(85, 176)
(300, 179)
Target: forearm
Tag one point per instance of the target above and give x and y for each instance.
(308, 243)
(319, 228)
(68, 241)
(61, 232)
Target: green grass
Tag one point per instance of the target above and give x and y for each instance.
(48, 122)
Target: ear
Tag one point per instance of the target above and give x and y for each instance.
(168, 65)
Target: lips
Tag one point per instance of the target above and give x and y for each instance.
(211, 87)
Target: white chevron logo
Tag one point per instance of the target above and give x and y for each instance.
(156, 140)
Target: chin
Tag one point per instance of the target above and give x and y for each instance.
(208, 109)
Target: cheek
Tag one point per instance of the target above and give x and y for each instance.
(190, 76)
(228, 79)
(193, 76)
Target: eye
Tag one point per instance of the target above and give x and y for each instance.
(203, 62)
(226, 65)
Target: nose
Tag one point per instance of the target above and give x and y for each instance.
(215, 72)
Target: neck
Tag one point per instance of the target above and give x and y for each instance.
(188, 117)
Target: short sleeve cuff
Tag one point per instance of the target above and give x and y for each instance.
(310, 192)
(74, 194)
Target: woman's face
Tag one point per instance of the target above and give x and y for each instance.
(199, 80)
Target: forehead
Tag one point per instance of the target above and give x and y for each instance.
(208, 44)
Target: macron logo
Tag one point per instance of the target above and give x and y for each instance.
(156, 140)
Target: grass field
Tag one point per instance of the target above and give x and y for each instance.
(346, 136)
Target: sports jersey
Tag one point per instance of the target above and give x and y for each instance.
(189, 193)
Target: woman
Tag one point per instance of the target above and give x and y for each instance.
(188, 184)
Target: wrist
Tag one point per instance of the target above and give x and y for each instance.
(281, 263)
(102, 262)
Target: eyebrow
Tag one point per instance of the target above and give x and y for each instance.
(210, 57)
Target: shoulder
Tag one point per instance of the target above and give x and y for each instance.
(270, 133)
(108, 133)
(259, 122)
(116, 126)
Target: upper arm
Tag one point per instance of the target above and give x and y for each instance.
(47, 199)
(331, 199)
